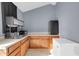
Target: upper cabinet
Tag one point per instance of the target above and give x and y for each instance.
(8, 9)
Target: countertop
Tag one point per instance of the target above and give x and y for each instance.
(63, 41)
(8, 42)
(40, 34)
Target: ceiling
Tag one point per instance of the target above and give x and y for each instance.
(26, 6)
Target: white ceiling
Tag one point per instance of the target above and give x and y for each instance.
(26, 6)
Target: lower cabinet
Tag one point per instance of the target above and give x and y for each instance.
(40, 41)
(19, 48)
(24, 47)
(16, 52)
(14, 49)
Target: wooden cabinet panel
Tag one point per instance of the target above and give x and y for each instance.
(18, 54)
(40, 41)
(24, 46)
(17, 49)
(27, 44)
(13, 47)
(25, 39)
(23, 49)
(15, 52)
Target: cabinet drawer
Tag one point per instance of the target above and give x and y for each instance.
(13, 47)
(14, 53)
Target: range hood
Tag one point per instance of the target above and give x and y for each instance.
(13, 22)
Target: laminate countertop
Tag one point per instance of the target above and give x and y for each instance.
(8, 42)
(4, 44)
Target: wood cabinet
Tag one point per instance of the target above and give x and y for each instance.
(21, 47)
(17, 49)
(8, 9)
(40, 41)
(24, 46)
(15, 52)
(14, 49)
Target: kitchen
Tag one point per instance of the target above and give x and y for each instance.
(39, 29)
(20, 35)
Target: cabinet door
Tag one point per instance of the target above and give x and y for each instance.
(27, 45)
(40, 42)
(15, 52)
(24, 47)
(13, 47)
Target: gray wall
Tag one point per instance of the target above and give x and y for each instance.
(37, 20)
(68, 15)
(0, 21)
(66, 12)
(20, 17)
(19, 14)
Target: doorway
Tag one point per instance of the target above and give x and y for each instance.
(54, 27)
